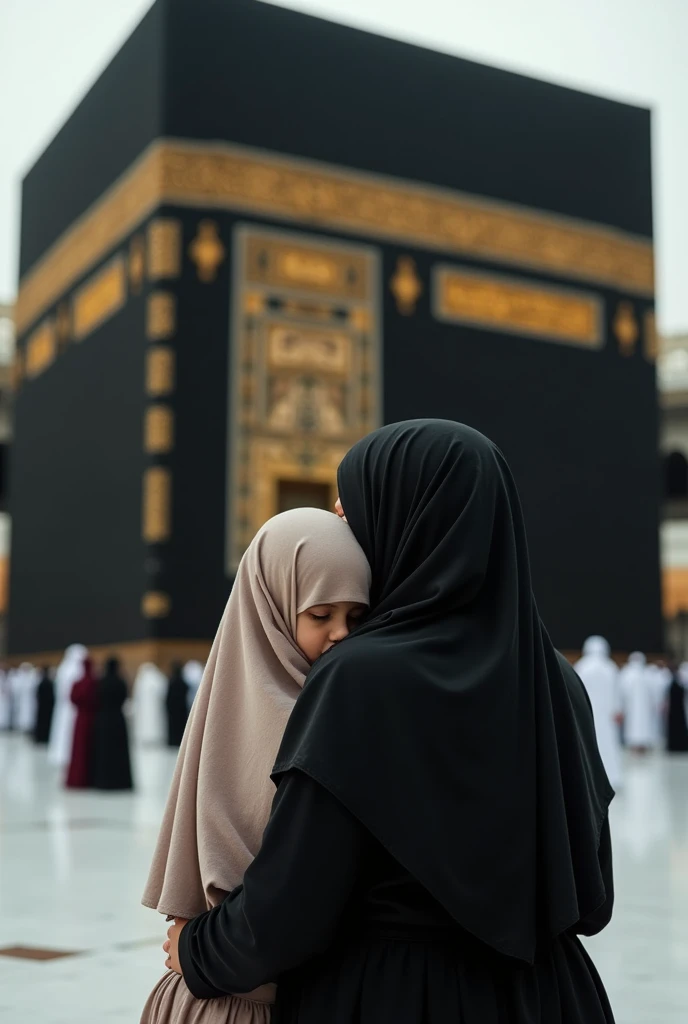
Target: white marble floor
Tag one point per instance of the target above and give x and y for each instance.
(72, 867)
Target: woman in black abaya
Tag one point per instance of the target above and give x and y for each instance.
(677, 723)
(439, 836)
(112, 767)
(45, 705)
(176, 706)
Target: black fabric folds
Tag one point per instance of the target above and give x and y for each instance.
(447, 723)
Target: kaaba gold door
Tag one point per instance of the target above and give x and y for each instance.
(304, 372)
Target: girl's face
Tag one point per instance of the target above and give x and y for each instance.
(324, 625)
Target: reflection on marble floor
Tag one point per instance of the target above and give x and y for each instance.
(72, 868)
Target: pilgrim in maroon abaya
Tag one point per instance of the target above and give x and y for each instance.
(85, 697)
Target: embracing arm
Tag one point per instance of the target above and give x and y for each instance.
(292, 899)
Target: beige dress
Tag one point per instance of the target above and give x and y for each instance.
(170, 1002)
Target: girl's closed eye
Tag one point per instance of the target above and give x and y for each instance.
(321, 627)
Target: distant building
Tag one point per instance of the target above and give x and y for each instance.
(672, 378)
(6, 364)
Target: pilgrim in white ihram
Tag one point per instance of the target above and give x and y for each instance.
(70, 671)
(639, 696)
(150, 688)
(601, 678)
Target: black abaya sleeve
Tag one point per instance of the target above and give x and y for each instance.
(292, 899)
(598, 919)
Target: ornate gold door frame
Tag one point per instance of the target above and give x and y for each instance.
(305, 357)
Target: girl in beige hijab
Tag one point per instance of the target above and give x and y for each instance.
(300, 587)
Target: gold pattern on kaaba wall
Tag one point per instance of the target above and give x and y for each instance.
(158, 430)
(137, 263)
(99, 298)
(308, 349)
(406, 286)
(63, 325)
(254, 303)
(207, 251)
(161, 316)
(157, 505)
(360, 319)
(160, 371)
(516, 306)
(164, 243)
(41, 349)
(295, 266)
(155, 604)
(316, 310)
(305, 375)
(239, 178)
(650, 336)
(231, 177)
(91, 238)
(626, 328)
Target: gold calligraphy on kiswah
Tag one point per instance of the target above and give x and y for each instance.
(518, 307)
(405, 211)
(278, 262)
(100, 298)
(41, 349)
(226, 176)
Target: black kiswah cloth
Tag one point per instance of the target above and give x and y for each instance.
(447, 723)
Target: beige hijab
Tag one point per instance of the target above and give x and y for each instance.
(221, 793)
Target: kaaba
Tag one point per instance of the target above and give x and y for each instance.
(259, 236)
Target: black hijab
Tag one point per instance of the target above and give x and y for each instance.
(448, 724)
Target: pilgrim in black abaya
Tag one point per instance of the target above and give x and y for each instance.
(177, 706)
(112, 764)
(449, 754)
(45, 705)
(677, 726)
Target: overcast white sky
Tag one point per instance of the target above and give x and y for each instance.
(635, 50)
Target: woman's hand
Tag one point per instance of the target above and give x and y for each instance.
(171, 947)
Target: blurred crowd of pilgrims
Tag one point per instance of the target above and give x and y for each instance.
(641, 706)
(86, 717)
